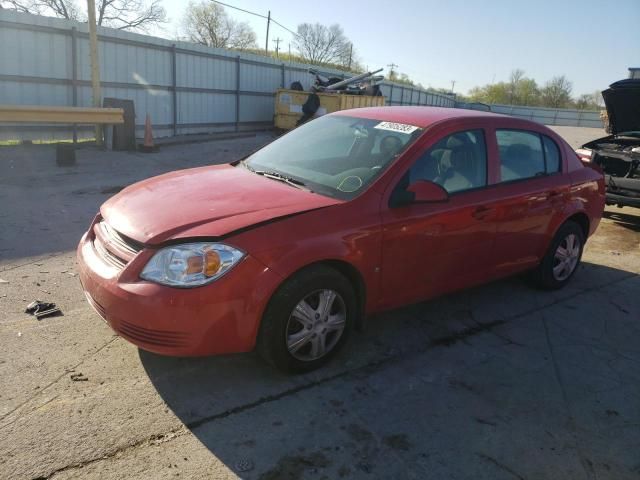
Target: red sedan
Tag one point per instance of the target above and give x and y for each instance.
(359, 211)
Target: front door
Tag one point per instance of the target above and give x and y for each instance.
(430, 248)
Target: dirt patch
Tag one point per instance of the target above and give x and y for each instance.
(358, 433)
(344, 471)
(398, 442)
(617, 233)
(293, 467)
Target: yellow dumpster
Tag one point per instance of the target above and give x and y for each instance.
(288, 109)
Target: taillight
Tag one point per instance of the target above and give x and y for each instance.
(585, 154)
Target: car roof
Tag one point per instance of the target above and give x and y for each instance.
(418, 116)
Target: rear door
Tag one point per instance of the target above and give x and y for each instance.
(532, 190)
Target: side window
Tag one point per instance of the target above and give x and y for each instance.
(521, 154)
(551, 154)
(458, 162)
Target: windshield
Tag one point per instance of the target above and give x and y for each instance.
(337, 156)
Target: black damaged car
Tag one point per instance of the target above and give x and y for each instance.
(619, 154)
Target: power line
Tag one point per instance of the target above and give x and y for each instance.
(257, 15)
(287, 29)
(241, 9)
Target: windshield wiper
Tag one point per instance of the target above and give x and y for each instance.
(282, 178)
(294, 182)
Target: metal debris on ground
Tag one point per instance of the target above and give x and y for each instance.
(43, 309)
(2, 280)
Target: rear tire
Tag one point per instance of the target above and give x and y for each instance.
(562, 258)
(308, 320)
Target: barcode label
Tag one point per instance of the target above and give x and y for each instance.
(396, 127)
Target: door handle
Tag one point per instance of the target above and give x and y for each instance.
(481, 212)
(554, 196)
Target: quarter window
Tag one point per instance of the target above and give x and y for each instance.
(458, 162)
(551, 155)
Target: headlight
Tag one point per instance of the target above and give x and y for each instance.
(191, 264)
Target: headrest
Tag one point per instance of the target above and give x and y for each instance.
(457, 141)
(519, 150)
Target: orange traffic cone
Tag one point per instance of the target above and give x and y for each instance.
(148, 146)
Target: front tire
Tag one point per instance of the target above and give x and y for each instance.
(308, 320)
(562, 259)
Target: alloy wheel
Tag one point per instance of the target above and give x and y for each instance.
(566, 257)
(316, 324)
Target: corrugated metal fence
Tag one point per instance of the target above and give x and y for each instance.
(186, 88)
(546, 116)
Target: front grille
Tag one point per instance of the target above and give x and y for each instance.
(163, 338)
(113, 247)
(106, 255)
(127, 244)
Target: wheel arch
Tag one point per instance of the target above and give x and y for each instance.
(581, 219)
(347, 270)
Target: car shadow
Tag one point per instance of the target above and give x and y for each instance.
(235, 405)
(631, 222)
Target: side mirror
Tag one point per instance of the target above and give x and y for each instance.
(428, 192)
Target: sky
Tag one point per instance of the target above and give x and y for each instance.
(471, 42)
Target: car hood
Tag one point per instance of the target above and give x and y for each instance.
(623, 105)
(203, 202)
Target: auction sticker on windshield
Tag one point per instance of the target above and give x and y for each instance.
(396, 127)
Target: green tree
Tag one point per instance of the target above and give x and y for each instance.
(527, 92)
(494, 93)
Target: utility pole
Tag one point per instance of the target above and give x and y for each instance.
(289, 52)
(453, 84)
(95, 65)
(266, 44)
(392, 66)
(277, 42)
(350, 55)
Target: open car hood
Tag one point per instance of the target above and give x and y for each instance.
(622, 99)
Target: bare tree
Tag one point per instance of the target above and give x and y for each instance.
(318, 43)
(207, 23)
(120, 14)
(130, 14)
(516, 77)
(58, 8)
(557, 92)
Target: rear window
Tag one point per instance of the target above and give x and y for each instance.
(520, 155)
(525, 154)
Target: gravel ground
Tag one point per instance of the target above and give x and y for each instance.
(497, 382)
